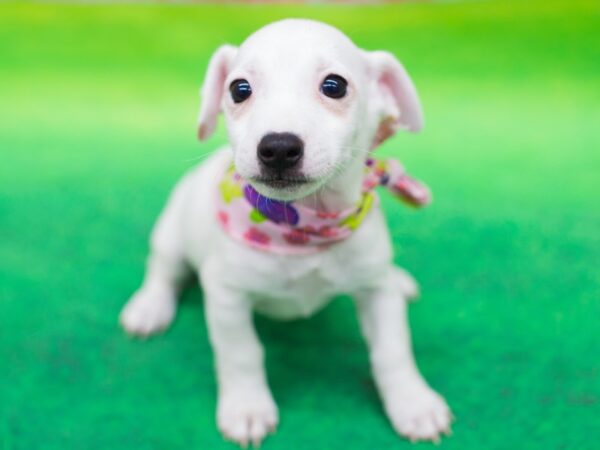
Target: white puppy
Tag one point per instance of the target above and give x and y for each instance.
(303, 107)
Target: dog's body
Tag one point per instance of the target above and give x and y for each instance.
(238, 279)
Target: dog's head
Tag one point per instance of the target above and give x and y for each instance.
(302, 102)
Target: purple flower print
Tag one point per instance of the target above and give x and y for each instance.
(274, 210)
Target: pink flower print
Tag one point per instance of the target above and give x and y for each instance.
(258, 237)
(327, 215)
(328, 232)
(324, 231)
(308, 229)
(296, 237)
(223, 218)
(370, 183)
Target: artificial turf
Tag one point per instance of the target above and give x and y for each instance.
(97, 122)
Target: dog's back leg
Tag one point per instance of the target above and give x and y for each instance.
(152, 308)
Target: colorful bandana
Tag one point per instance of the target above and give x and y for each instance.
(286, 228)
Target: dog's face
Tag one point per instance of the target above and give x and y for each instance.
(302, 102)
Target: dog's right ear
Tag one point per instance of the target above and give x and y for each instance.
(213, 88)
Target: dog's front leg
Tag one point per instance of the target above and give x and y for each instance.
(246, 411)
(415, 410)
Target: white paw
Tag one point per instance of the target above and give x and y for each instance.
(148, 312)
(247, 415)
(418, 413)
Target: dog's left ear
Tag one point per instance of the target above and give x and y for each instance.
(399, 105)
(213, 88)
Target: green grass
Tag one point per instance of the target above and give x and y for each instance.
(97, 122)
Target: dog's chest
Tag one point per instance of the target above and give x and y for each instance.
(297, 295)
(291, 287)
(298, 289)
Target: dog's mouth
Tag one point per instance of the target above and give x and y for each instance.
(280, 182)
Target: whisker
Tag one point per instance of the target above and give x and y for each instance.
(199, 157)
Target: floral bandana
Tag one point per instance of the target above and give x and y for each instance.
(286, 228)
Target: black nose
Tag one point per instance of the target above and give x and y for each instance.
(280, 151)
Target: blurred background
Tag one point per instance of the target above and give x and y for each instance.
(98, 105)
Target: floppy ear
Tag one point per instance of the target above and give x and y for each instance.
(212, 89)
(400, 107)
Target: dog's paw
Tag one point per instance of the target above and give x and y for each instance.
(247, 415)
(418, 413)
(148, 312)
(408, 285)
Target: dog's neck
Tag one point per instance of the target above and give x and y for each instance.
(340, 193)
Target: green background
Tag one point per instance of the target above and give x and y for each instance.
(97, 122)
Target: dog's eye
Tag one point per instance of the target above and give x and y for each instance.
(240, 90)
(334, 86)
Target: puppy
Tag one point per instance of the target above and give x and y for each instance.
(303, 108)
